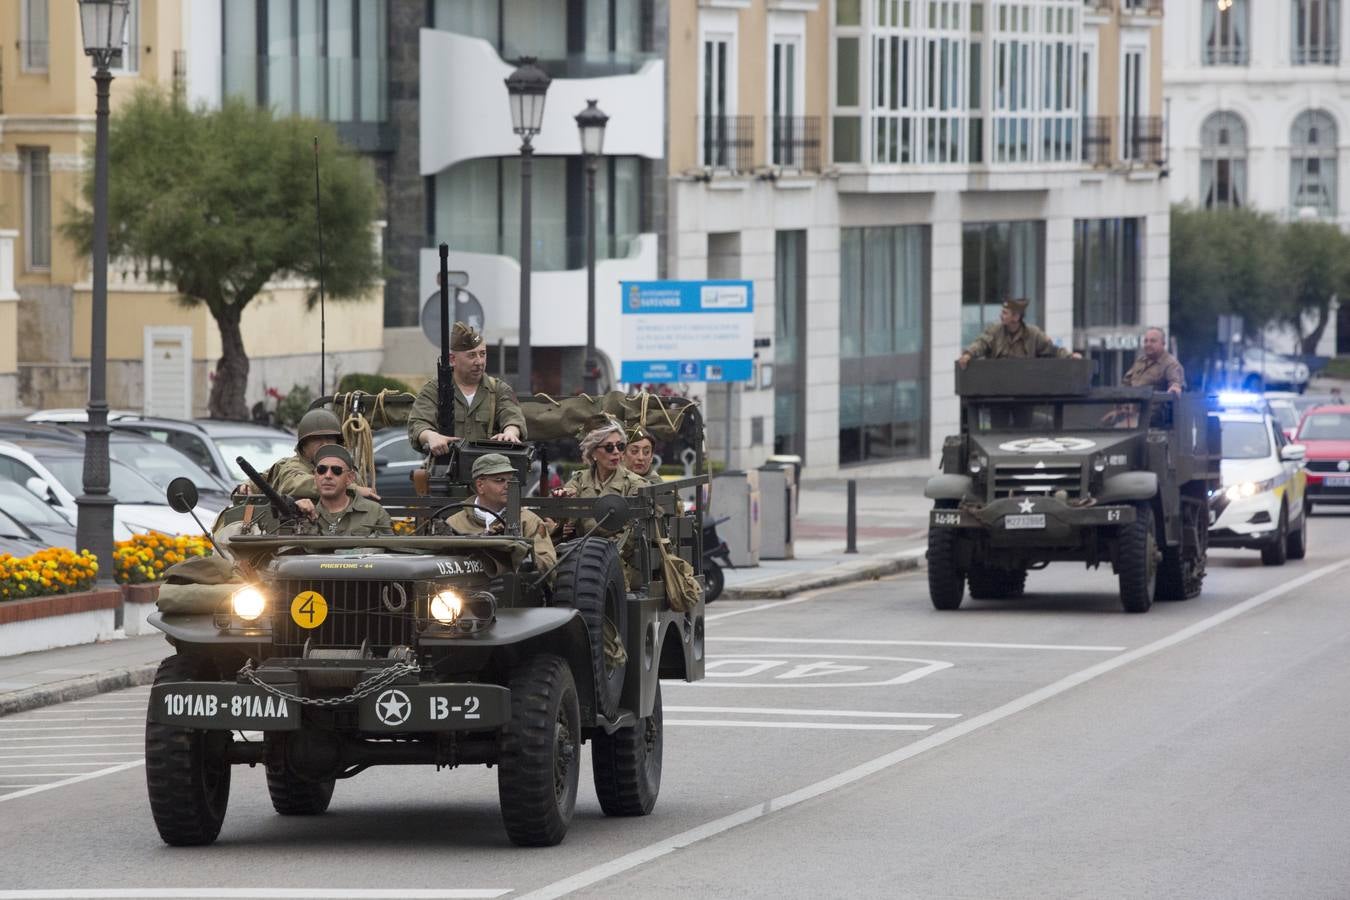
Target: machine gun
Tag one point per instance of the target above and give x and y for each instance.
(284, 507)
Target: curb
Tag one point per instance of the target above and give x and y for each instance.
(788, 585)
(76, 688)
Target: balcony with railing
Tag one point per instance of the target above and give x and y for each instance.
(794, 142)
(1097, 140)
(1317, 55)
(1223, 55)
(1100, 6)
(1142, 140)
(1145, 7)
(726, 143)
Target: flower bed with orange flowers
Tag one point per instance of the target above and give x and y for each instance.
(144, 557)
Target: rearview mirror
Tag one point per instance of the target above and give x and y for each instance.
(42, 490)
(611, 512)
(181, 494)
(1293, 452)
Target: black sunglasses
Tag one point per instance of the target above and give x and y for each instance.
(613, 447)
(324, 470)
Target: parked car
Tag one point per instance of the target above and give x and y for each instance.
(70, 415)
(395, 461)
(213, 443)
(1284, 407)
(1260, 504)
(46, 521)
(54, 472)
(1257, 369)
(16, 539)
(1325, 431)
(38, 431)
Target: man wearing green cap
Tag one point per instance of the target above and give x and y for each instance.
(492, 474)
(340, 510)
(1012, 338)
(485, 407)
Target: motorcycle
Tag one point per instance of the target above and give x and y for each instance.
(716, 554)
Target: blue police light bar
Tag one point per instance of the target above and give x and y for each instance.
(1241, 399)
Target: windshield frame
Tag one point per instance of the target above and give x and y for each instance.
(1048, 415)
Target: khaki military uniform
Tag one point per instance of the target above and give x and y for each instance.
(1160, 374)
(531, 526)
(494, 407)
(1029, 342)
(294, 477)
(361, 518)
(623, 483)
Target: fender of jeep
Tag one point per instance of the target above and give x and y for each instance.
(947, 487)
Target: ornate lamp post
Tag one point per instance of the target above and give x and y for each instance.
(526, 88)
(104, 24)
(591, 123)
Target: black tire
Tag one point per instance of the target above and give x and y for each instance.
(1277, 551)
(540, 753)
(627, 765)
(946, 581)
(996, 584)
(1307, 509)
(1181, 574)
(187, 773)
(293, 796)
(591, 582)
(1296, 545)
(715, 578)
(1138, 561)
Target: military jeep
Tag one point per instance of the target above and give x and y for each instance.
(326, 655)
(1048, 468)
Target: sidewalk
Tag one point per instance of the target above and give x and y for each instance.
(38, 679)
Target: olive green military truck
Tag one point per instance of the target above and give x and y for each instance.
(317, 657)
(1047, 469)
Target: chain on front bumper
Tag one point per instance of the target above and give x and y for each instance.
(364, 688)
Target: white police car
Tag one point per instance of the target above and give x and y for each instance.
(1261, 502)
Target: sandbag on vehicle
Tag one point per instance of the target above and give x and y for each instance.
(197, 585)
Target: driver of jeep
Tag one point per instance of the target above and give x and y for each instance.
(492, 474)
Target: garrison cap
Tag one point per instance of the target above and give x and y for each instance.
(463, 337)
(491, 464)
(335, 451)
(1017, 306)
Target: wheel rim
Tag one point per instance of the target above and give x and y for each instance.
(564, 755)
(613, 607)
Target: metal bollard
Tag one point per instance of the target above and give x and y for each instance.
(852, 514)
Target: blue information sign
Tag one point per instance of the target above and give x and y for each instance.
(688, 331)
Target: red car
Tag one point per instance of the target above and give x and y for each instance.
(1325, 431)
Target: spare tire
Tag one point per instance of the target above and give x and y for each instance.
(590, 580)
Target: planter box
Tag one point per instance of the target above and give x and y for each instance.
(138, 602)
(42, 623)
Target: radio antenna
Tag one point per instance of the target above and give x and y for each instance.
(323, 317)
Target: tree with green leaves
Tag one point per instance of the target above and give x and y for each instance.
(1315, 257)
(218, 202)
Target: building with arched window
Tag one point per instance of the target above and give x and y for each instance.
(1255, 92)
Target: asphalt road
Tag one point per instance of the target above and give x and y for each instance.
(1050, 747)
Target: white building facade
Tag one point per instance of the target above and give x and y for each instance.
(969, 151)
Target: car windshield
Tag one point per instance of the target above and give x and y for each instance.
(1042, 417)
(1245, 440)
(159, 463)
(123, 483)
(20, 503)
(1325, 427)
(9, 527)
(1286, 416)
(260, 450)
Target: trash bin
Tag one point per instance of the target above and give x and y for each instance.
(778, 509)
(736, 496)
(794, 462)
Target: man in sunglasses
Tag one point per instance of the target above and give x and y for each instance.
(492, 474)
(340, 510)
(485, 407)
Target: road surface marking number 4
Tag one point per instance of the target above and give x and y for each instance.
(780, 670)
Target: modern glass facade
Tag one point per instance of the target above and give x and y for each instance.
(999, 260)
(883, 382)
(1106, 290)
(789, 343)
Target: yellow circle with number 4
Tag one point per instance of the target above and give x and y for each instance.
(309, 609)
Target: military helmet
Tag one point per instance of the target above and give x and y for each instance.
(316, 423)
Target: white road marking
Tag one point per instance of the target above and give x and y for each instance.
(5, 729)
(46, 765)
(596, 874)
(831, 726)
(800, 598)
(923, 667)
(75, 779)
(44, 774)
(139, 718)
(63, 755)
(841, 713)
(223, 893)
(862, 642)
(62, 737)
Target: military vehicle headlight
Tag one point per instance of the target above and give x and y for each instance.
(446, 606)
(1099, 464)
(977, 464)
(248, 603)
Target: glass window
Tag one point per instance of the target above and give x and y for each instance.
(1324, 427)
(123, 482)
(1244, 440)
(534, 28)
(476, 18)
(789, 343)
(37, 201)
(999, 260)
(1312, 163)
(1223, 28)
(1223, 161)
(1316, 32)
(33, 50)
(1106, 272)
(129, 60)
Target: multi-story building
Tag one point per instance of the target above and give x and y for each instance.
(888, 171)
(160, 355)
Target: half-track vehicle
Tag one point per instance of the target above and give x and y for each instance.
(316, 657)
(1047, 468)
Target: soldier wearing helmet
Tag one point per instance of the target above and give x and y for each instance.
(485, 407)
(294, 475)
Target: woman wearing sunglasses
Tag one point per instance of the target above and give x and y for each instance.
(602, 447)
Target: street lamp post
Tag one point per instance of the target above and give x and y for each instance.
(103, 23)
(526, 87)
(591, 123)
